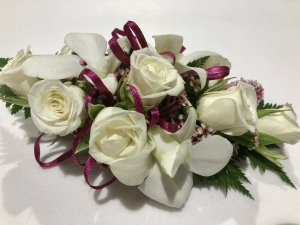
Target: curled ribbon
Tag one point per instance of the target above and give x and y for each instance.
(87, 169)
(54, 162)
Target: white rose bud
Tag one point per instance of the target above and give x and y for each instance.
(281, 125)
(153, 76)
(119, 138)
(13, 77)
(56, 108)
(232, 111)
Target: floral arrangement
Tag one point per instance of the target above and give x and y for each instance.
(154, 116)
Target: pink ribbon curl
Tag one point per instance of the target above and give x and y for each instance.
(54, 162)
(98, 83)
(87, 169)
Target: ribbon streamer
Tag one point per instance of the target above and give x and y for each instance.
(116, 32)
(87, 169)
(54, 162)
(217, 72)
(98, 83)
(89, 98)
(132, 26)
(118, 52)
(137, 99)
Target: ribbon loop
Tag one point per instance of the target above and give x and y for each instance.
(98, 83)
(116, 32)
(132, 26)
(137, 99)
(54, 162)
(87, 169)
(118, 52)
(217, 72)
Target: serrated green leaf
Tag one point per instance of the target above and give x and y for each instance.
(27, 112)
(83, 144)
(7, 104)
(94, 110)
(231, 176)
(15, 109)
(199, 63)
(257, 160)
(266, 139)
(5, 91)
(3, 62)
(262, 105)
(264, 112)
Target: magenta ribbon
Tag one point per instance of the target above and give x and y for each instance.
(182, 49)
(54, 162)
(129, 28)
(98, 83)
(87, 169)
(217, 72)
(77, 140)
(137, 99)
(89, 98)
(118, 52)
(116, 32)
(132, 26)
(155, 119)
(171, 55)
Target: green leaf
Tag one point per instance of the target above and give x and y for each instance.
(264, 112)
(262, 105)
(266, 139)
(3, 62)
(231, 176)
(247, 139)
(94, 110)
(83, 144)
(55, 140)
(18, 100)
(124, 97)
(199, 63)
(121, 105)
(7, 104)
(27, 112)
(5, 91)
(257, 160)
(15, 109)
(273, 156)
(84, 85)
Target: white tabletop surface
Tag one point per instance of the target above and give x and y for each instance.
(260, 38)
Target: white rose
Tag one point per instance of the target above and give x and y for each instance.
(232, 111)
(56, 108)
(281, 125)
(119, 138)
(13, 77)
(153, 76)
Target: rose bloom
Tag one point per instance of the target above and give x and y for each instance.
(13, 77)
(281, 125)
(153, 76)
(56, 108)
(232, 111)
(119, 138)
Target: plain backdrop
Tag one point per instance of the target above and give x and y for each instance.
(259, 37)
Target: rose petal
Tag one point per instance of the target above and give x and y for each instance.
(133, 170)
(52, 67)
(172, 192)
(90, 47)
(210, 156)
